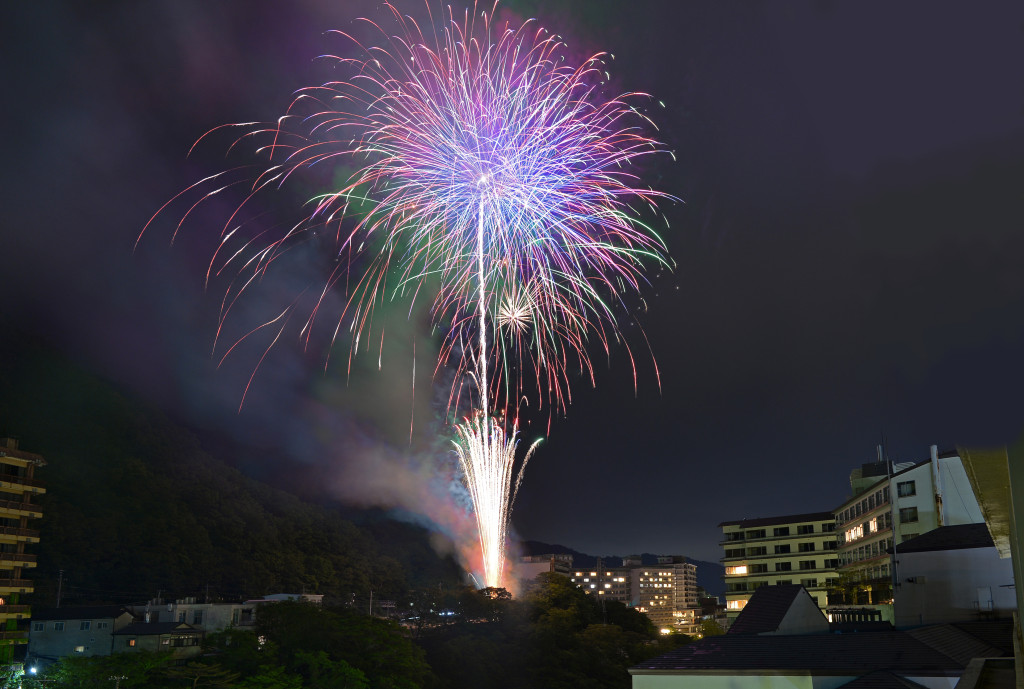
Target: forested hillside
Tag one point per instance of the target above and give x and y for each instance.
(136, 506)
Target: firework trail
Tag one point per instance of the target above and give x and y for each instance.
(483, 173)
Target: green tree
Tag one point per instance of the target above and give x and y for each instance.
(199, 674)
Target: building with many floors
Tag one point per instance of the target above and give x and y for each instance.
(18, 485)
(893, 503)
(665, 591)
(789, 549)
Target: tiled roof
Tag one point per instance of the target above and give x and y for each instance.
(786, 519)
(957, 537)
(962, 645)
(765, 609)
(995, 633)
(823, 654)
(151, 628)
(90, 612)
(881, 679)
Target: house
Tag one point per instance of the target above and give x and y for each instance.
(781, 639)
(180, 639)
(84, 631)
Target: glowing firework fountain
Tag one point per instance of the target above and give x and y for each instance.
(492, 177)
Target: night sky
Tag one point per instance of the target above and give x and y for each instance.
(849, 253)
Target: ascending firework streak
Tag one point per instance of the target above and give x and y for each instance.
(486, 172)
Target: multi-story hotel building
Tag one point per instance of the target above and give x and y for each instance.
(791, 549)
(892, 503)
(666, 592)
(17, 486)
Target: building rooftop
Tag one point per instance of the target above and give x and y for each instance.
(785, 519)
(87, 612)
(832, 654)
(956, 537)
(150, 628)
(881, 679)
(959, 644)
(765, 609)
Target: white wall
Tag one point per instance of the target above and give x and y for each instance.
(952, 579)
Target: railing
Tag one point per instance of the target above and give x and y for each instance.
(789, 537)
(20, 506)
(16, 583)
(14, 635)
(21, 481)
(17, 557)
(15, 531)
(14, 609)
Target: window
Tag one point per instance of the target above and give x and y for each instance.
(758, 569)
(783, 582)
(781, 531)
(806, 547)
(759, 550)
(735, 604)
(79, 649)
(85, 626)
(729, 552)
(756, 533)
(58, 626)
(831, 564)
(905, 489)
(131, 643)
(805, 529)
(871, 502)
(809, 583)
(908, 536)
(181, 617)
(197, 617)
(102, 625)
(731, 536)
(830, 526)
(885, 493)
(808, 564)
(783, 566)
(736, 570)
(782, 549)
(38, 626)
(908, 514)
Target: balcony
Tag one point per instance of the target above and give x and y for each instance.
(17, 560)
(7, 638)
(9, 611)
(16, 586)
(21, 509)
(21, 484)
(16, 534)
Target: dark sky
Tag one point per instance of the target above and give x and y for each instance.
(849, 251)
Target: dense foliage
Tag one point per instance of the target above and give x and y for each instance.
(554, 636)
(135, 506)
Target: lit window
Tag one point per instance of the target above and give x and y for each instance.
(738, 569)
(736, 604)
(131, 642)
(79, 649)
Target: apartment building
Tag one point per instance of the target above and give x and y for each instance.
(665, 591)
(789, 549)
(17, 487)
(610, 583)
(893, 503)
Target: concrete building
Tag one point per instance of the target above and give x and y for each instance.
(893, 503)
(529, 566)
(789, 549)
(610, 583)
(953, 574)
(665, 590)
(75, 631)
(17, 487)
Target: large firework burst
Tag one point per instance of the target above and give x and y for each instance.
(489, 176)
